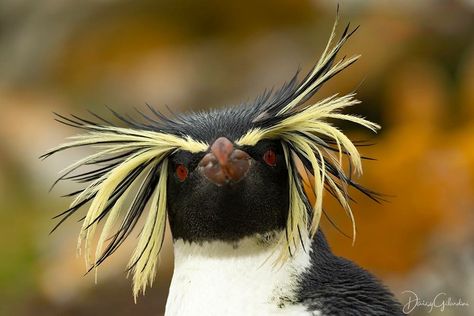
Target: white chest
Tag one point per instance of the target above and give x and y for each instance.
(216, 278)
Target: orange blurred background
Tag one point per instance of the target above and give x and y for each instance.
(415, 78)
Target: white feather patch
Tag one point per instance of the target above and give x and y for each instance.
(219, 278)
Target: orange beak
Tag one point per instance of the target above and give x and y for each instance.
(224, 163)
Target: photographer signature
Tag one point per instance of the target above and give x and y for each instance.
(441, 301)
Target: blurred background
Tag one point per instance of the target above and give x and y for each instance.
(415, 77)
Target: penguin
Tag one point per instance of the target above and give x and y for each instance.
(242, 188)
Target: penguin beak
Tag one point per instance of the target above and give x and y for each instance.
(224, 164)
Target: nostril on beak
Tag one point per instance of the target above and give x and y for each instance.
(224, 164)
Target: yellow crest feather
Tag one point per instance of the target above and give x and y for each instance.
(300, 130)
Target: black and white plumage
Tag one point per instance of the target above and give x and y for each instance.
(243, 189)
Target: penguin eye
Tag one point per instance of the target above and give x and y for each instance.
(270, 158)
(181, 172)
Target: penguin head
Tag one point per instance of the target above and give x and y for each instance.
(216, 175)
(228, 192)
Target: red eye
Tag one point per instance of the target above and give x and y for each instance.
(181, 172)
(270, 158)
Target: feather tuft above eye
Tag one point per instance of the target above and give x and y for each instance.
(311, 140)
(131, 170)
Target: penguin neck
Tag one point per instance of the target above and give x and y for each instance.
(242, 277)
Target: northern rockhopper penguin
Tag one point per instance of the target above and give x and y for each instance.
(242, 188)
